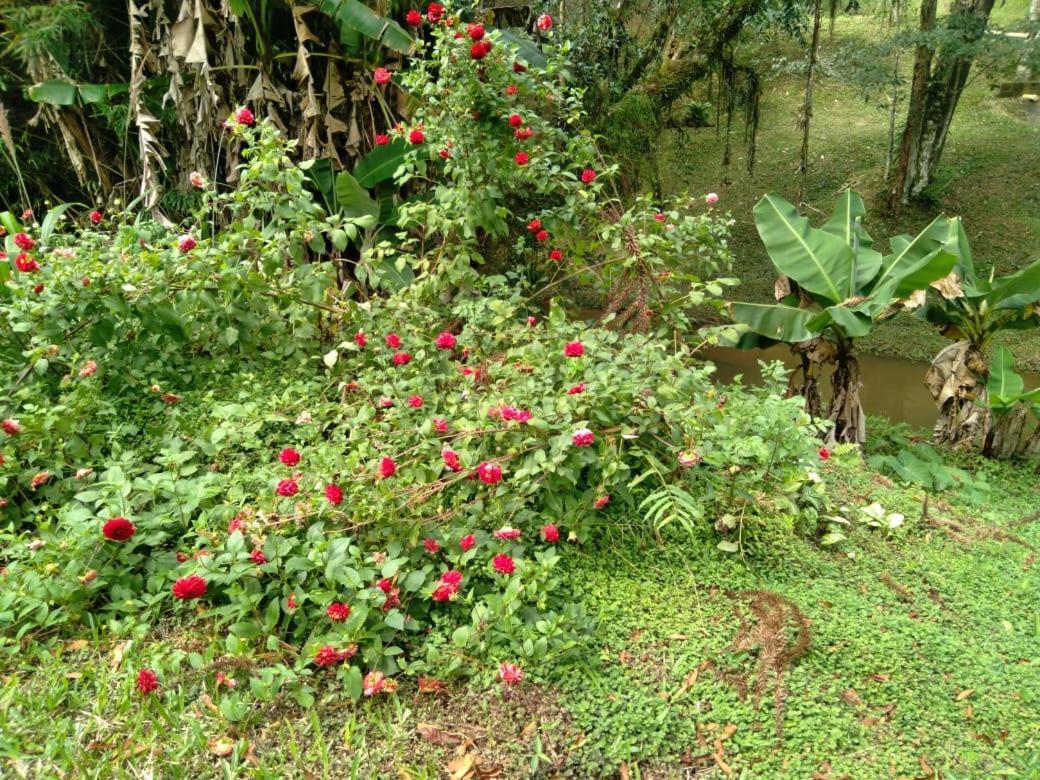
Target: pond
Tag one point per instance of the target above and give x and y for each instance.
(891, 387)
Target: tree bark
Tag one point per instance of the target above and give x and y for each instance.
(845, 409)
(939, 80)
(807, 104)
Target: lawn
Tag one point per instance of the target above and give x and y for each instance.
(921, 661)
(990, 174)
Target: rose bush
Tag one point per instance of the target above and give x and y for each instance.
(213, 421)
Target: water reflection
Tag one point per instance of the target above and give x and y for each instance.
(891, 387)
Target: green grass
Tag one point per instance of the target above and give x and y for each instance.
(989, 174)
(924, 653)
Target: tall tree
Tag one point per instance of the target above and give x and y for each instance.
(941, 67)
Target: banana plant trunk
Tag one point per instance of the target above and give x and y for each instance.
(1005, 436)
(957, 382)
(845, 410)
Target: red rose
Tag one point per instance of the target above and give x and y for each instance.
(574, 349)
(188, 588)
(576, 389)
(432, 546)
(588, 176)
(434, 11)
(601, 502)
(519, 67)
(445, 340)
(544, 22)
(147, 682)
(511, 89)
(360, 339)
(467, 542)
(515, 120)
(334, 494)
(382, 76)
(258, 557)
(534, 225)
(413, 18)
(443, 593)
(95, 216)
(244, 116)
(118, 529)
(327, 656)
(338, 612)
(401, 358)
(475, 31)
(503, 564)
(415, 401)
(522, 158)
(550, 533)
(416, 137)
(382, 139)
(24, 242)
(824, 453)
(11, 426)
(489, 473)
(387, 467)
(478, 52)
(289, 456)
(523, 133)
(287, 488)
(582, 437)
(451, 459)
(541, 236)
(440, 425)
(556, 254)
(452, 578)
(393, 340)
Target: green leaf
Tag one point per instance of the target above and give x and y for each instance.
(56, 93)
(783, 323)
(323, 177)
(395, 620)
(352, 682)
(1016, 290)
(353, 199)
(51, 221)
(908, 253)
(819, 261)
(381, 163)
(353, 16)
(461, 636)
(526, 49)
(1004, 387)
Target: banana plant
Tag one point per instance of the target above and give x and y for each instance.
(834, 286)
(970, 310)
(1009, 401)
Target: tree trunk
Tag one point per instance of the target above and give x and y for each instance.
(935, 93)
(807, 105)
(845, 409)
(1004, 438)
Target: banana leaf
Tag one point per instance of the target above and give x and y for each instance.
(819, 261)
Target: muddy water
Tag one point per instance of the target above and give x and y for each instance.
(891, 387)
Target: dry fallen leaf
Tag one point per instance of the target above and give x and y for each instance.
(728, 731)
(965, 694)
(221, 746)
(969, 712)
(77, 645)
(851, 697)
(437, 736)
(720, 762)
(529, 729)
(118, 652)
(461, 768)
(207, 702)
(880, 677)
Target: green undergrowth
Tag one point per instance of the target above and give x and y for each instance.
(922, 659)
